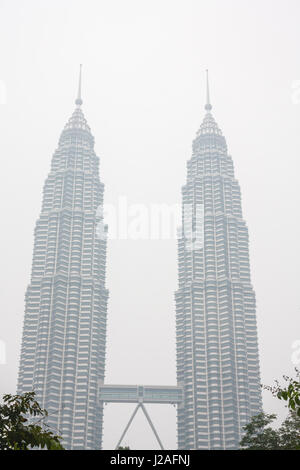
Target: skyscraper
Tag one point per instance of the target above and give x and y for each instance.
(217, 349)
(64, 333)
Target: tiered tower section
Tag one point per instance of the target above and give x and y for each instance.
(217, 348)
(64, 334)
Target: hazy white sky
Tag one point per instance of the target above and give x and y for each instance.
(143, 92)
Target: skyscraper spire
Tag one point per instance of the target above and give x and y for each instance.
(208, 106)
(79, 100)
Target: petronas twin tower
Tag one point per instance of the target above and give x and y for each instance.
(64, 333)
(217, 350)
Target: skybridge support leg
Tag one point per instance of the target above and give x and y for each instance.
(127, 427)
(151, 425)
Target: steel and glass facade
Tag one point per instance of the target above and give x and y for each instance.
(217, 348)
(64, 333)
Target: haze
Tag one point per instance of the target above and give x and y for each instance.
(143, 95)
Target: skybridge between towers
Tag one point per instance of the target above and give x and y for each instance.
(141, 394)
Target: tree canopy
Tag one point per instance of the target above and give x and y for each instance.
(289, 393)
(259, 435)
(16, 430)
